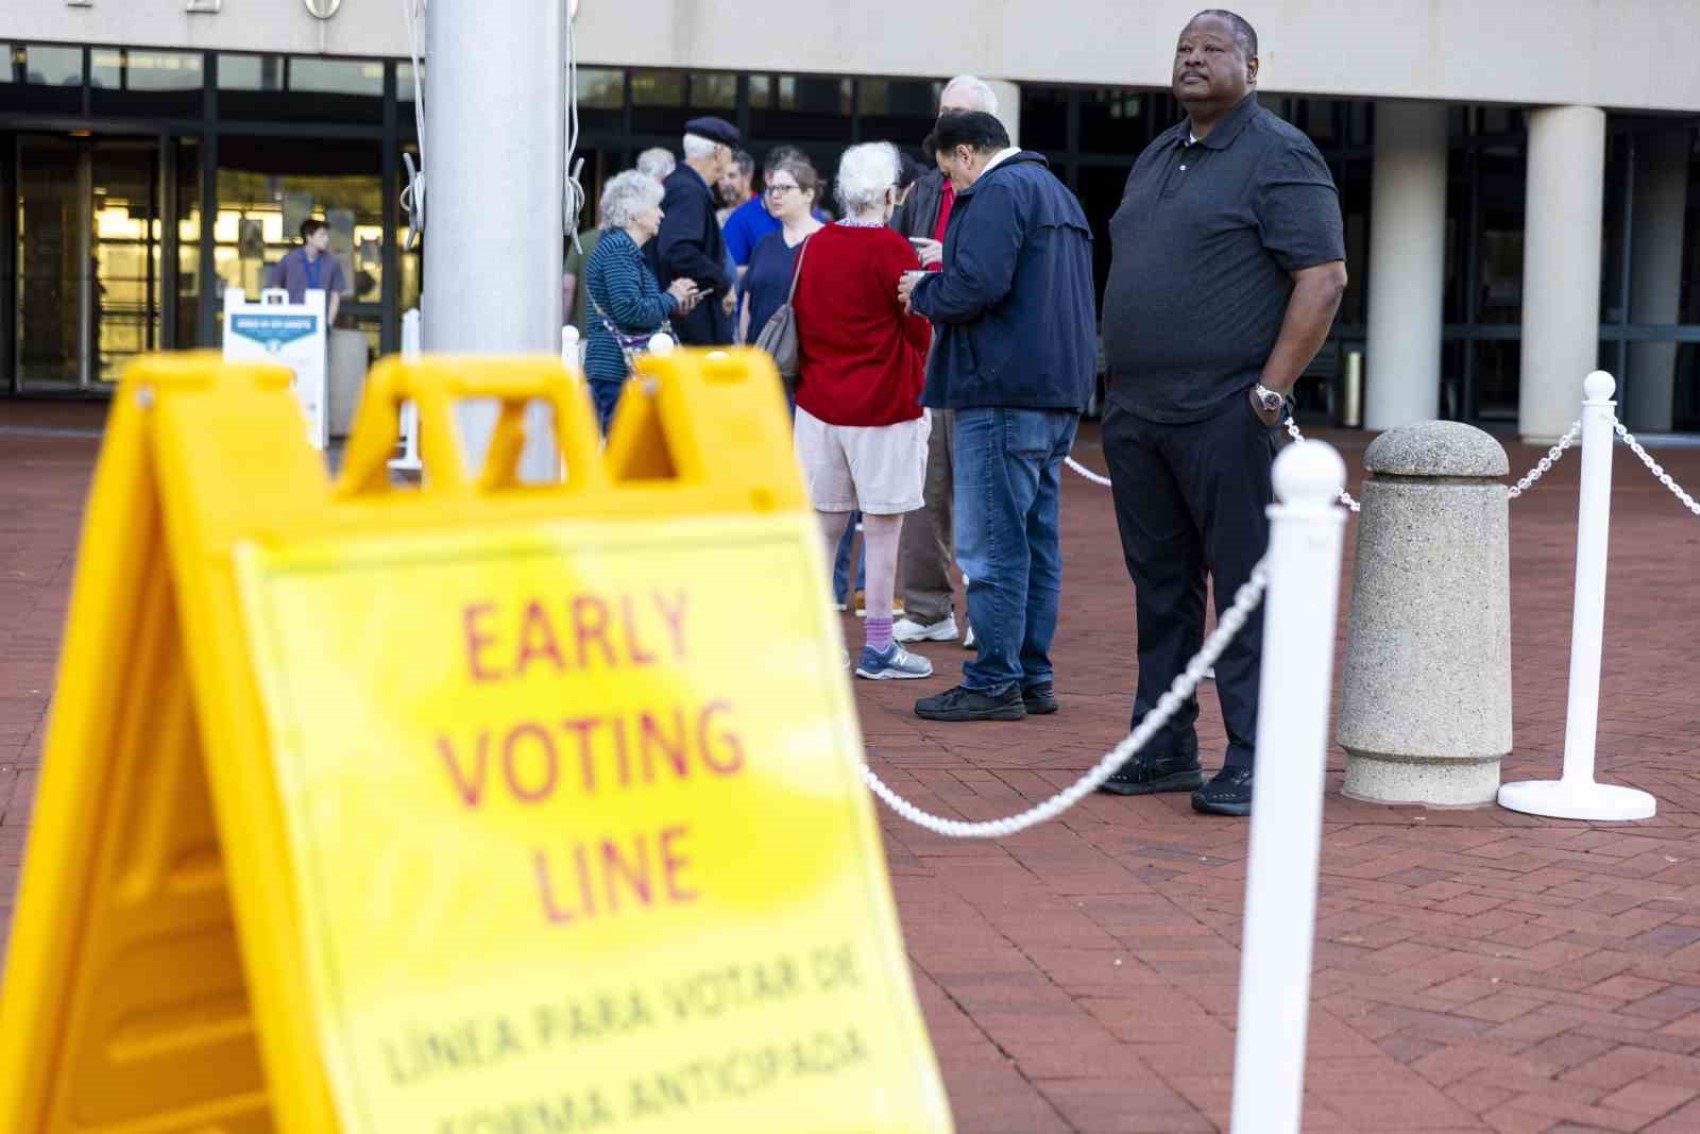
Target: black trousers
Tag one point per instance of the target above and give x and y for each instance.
(1190, 502)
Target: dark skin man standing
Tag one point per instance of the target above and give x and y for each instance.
(1228, 264)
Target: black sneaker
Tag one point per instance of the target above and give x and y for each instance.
(961, 704)
(1176, 770)
(1227, 793)
(1040, 700)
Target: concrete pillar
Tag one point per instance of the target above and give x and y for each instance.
(1425, 704)
(1009, 107)
(494, 176)
(1655, 280)
(1407, 264)
(1561, 266)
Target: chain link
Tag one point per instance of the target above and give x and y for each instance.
(1545, 464)
(1655, 468)
(1246, 600)
(1086, 472)
(1345, 497)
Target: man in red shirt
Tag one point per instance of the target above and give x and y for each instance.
(923, 562)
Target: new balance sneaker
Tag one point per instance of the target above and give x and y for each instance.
(959, 704)
(895, 664)
(908, 630)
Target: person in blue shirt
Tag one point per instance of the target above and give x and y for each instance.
(311, 267)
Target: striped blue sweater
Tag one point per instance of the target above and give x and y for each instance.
(619, 281)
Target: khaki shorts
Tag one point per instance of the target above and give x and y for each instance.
(877, 469)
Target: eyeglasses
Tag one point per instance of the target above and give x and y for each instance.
(779, 190)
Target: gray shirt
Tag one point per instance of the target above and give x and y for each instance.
(1202, 247)
(296, 274)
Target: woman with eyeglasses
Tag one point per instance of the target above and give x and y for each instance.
(790, 187)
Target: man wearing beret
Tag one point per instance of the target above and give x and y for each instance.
(689, 245)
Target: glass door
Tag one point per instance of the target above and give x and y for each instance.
(88, 260)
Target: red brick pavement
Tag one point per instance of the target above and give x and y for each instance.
(1475, 971)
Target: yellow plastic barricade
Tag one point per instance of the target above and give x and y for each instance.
(475, 808)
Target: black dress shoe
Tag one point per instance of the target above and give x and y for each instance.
(1152, 777)
(960, 704)
(1039, 699)
(1227, 793)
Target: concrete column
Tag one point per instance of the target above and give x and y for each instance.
(1407, 264)
(494, 176)
(1009, 107)
(1561, 266)
(1655, 280)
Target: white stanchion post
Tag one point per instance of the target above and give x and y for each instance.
(569, 347)
(662, 344)
(411, 340)
(1306, 534)
(1576, 795)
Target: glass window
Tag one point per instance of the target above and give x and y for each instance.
(658, 88)
(761, 91)
(1044, 117)
(601, 98)
(9, 61)
(48, 79)
(805, 108)
(53, 66)
(1112, 121)
(901, 111)
(663, 101)
(281, 88)
(714, 91)
(1499, 243)
(145, 82)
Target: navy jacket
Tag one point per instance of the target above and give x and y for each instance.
(1013, 309)
(690, 246)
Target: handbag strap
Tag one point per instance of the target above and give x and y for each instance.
(797, 272)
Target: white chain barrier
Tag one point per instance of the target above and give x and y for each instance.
(1542, 467)
(1655, 468)
(1245, 601)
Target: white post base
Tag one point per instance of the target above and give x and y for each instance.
(1577, 799)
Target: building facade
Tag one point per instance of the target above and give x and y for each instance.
(1522, 203)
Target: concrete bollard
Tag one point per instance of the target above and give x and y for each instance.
(1425, 711)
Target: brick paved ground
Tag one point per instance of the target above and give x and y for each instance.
(1475, 971)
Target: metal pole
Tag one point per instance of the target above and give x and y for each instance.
(495, 77)
(1576, 795)
(1306, 534)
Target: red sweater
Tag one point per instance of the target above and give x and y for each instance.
(862, 361)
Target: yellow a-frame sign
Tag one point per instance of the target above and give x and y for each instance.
(469, 809)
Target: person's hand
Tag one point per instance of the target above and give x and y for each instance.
(729, 304)
(685, 291)
(1266, 416)
(930, 251)
(906, 287)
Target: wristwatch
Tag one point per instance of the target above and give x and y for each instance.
(1269, 399)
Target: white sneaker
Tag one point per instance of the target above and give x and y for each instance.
(968, 639)
(908, 630)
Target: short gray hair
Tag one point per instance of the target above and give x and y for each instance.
(865, 173)
(626, 195)
(980, 89)
(658, 163)
(698, 148)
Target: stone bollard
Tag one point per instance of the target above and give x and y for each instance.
(1425, 712)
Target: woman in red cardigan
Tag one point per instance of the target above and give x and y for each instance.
(861, 433)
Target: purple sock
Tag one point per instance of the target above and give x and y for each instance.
(879, 634)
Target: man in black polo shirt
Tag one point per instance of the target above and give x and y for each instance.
(1227, 267)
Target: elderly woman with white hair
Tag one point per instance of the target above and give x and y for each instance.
(860, 431)
(627, 306)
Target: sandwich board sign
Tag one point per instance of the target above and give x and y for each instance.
(463, 808)
(289, 334)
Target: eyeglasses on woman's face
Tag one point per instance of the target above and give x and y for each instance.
(780, 189)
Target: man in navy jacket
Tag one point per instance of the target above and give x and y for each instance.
(690, 244)
(1014, 359)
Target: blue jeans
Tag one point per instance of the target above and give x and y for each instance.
(841, 563)
(1008, 544)
(605, 392)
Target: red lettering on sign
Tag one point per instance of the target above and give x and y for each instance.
(650, 738)
(470, 788)
(623, 871)
(544, 745)
(583, 727)
(590, 624)
(634, 643)
(675, 618)
(477, 639)
(734, 762)
(672, 863)
(537, 639)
